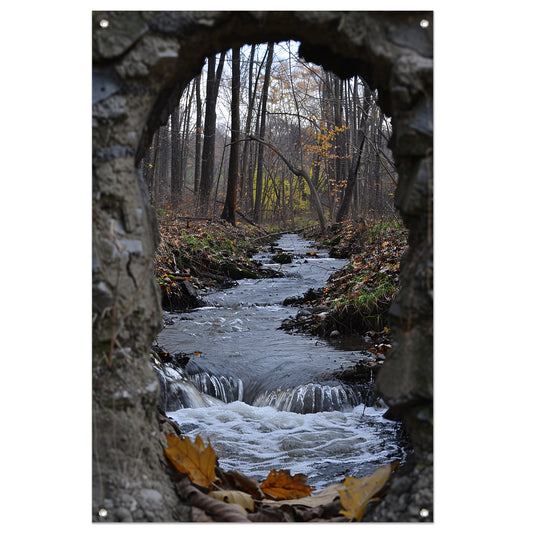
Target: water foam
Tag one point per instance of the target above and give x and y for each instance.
(326, 446)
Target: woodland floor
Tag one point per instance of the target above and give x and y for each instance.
(197, 255)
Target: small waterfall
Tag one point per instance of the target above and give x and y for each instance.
(200, 389)
(227, 389)
(309, 398)
(177, 392)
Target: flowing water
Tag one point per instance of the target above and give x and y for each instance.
(266, 398)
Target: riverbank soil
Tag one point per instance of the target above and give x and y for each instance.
(357, 298)
(194, 255)
(352, 308)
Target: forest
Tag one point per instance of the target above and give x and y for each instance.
(262, 137)
(276, 171)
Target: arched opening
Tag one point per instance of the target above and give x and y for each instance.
(142, 65)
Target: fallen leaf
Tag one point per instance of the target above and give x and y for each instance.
(234, 496)
(238, 481)
(194, 459)
(324, 497)
(356, 493)
(282, 486)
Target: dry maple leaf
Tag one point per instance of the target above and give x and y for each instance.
(357, 493)
(194, 459)
(282, 486)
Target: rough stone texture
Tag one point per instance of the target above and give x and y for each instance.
(410, 498)
(141, 61)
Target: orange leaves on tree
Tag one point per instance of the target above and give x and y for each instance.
(282, 486)
(356, 493)
(192, 458)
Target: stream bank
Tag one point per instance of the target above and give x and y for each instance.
(196, 258)
(229, 373)
(201, 256)
(351, 309)
(356, 299)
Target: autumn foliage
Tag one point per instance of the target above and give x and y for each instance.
(357, 493)
(245, 497)
(282, 486)
(192, 458)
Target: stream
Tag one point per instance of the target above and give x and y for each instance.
(264, 398)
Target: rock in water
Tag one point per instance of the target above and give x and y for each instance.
(282, 258)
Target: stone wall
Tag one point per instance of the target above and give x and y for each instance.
(141, 60)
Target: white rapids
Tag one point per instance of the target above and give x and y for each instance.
(326, 446)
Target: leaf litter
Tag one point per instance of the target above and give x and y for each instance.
(280, 495)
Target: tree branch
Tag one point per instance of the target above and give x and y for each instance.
(378, 153)
(297, 172)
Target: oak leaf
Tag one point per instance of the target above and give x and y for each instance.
(192, 458)
(282, 486)
(356, 493)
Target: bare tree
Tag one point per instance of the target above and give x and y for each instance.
(230, 205)
(330, 132)
(208, 152)
(198, 135)
(252, 89)
(300, 172)
(262, 128)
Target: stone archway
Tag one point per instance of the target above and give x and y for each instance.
(140, 60)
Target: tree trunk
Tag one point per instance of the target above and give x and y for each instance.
(245, 191)
(262, 128)
(208, 152)
(185, 139)
(230, 205)
(198, 136)
(339, 134)
(342, 213)
(176, 178)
